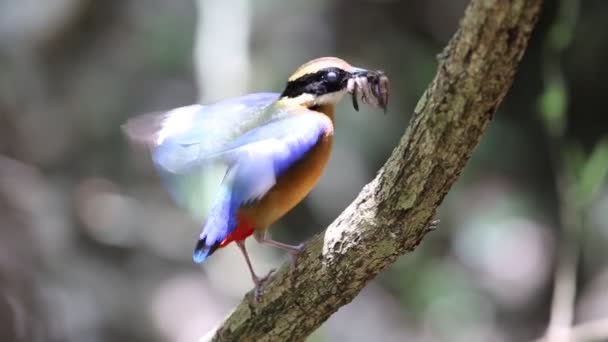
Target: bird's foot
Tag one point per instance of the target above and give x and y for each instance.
(259, 284)
(432, 225)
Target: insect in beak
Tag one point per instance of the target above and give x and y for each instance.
(371, 86)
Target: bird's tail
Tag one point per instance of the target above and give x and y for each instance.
(220, 223)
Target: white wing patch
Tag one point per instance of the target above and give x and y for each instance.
(177, 121)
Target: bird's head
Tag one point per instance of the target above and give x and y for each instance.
(324, 81)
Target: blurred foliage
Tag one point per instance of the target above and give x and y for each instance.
(92, 249)
(593, 173)
(553, 106)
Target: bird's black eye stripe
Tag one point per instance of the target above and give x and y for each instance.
(324, 81)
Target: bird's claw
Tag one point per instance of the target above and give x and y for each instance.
(433, 225)
(259, 283)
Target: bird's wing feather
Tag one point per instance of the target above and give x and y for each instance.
(184, 136)
(258, 157)
(192, 147)
(179, 136)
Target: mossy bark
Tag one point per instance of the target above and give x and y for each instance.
(392, 213)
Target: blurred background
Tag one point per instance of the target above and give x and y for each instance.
(92, 248)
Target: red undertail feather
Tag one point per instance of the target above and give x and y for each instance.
(243, 230)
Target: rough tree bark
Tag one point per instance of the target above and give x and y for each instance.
(391, 214)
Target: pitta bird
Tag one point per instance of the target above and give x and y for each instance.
(272, 147)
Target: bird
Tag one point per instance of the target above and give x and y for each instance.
(271, 149)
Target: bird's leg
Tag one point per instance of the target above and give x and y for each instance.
(293, 251)
(257, 281)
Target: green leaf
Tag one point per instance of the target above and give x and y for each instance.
(560, 36)
(594, 172)
(574, 159)
(553, 103)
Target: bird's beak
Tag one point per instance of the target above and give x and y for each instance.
(371, 86)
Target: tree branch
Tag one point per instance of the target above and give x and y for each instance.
(391, 214)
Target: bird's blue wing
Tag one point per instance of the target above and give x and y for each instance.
(258, 157)
(184, 136)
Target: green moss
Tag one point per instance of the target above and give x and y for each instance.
(407, 200)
